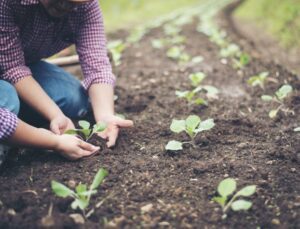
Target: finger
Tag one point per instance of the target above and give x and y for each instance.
(85, 153)
(71, 125)
(88, 147)
(112, 137)
(124, 123)
(55, 129)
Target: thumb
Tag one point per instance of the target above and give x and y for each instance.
(124, 123)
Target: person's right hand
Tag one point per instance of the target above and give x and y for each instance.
(74, 148)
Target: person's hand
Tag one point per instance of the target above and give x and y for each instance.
(114, 123)
(60, 124)
(74, 148)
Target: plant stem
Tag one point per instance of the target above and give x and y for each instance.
(229, 203)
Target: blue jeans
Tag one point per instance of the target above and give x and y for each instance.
(63, 88)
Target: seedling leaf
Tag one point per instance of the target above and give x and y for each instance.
(197, 78)
(247, 191)
(220, 200)
(84, 124)
(297, 129)
(177, 126)
(266, 98)
(241, 205)
(81, 188)
(71, 132)
(227, 187)
(200, 101)
(197, 59)
(174, 145)
(273, 113)
(284, 91)
(206, 125)
(99, 127)
(79, 203)
(61, 190)
(192, 122)
(101, 174)
(211, 90)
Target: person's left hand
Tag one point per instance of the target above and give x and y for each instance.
(114, 123)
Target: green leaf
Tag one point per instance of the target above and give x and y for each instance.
(200, 101)
(211, 90)
(182, 94)
(266, 98)
(227, 187)
(273, 113)
(247, 191)
(174, 52)
(85, 132)
(220, 200)
(177, 126)
(71, 132)
(174, 145)
(80, 203)
(197, 78)
(241, 205)
(61, 190)
(192, 122)
(197, 59)
(297, 129)
(84, 124)
(284, 91)
(101, 174)
(231, 50)
(206, 125)
(81, 188)
(121, 116)
(99, 127)
(158, 43)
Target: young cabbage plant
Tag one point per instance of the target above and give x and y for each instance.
(192, 126)
(226, 189)
(189, 96)
(86, 132)
(241, 61)
(197, 78)
(231, 50)
(82, 193)
(279, 98)
(258, 80)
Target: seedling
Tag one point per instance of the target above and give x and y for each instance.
(116, 48)
(161, 43)
(86, 132)
(177, 53)
(197, 78)
(241, 61)
(226, 189)
(230, 51)
(258, 80)
(171, 29)
(192, 126)
(189, 96)
(279, 98)
(82, 194)
(137, 34)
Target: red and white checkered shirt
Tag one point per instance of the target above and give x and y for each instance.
(28, 34)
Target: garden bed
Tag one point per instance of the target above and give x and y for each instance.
(176, 187)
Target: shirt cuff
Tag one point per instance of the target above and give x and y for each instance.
(15, 74)
(8, 123)
(99, 79)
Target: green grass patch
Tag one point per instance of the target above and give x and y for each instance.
(123, 14)
(281, 18)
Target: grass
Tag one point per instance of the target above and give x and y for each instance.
(281, 18)
(123, 14)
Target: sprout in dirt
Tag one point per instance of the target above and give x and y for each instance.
(197, 78)
(279, 98)
(177, 53)
(192, 126)
(226, 189)
(258, 80)
(230, 51)
(116, 48)
(82, 193)
(137, 34)
(241, 61)
(86, 132)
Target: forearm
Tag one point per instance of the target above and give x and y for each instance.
(34, 95)
(26, 135)
(102, 99)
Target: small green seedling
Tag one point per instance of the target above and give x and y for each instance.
(177, 53)
(192, 126)
(258, 80)
(241, 61)
(189, 96)
(230, 51)
(116, 48)
(137, 34)
(82, 193)
(86, 132)
(279, 98)
(197, 78)
(171, 29)
(226, 189)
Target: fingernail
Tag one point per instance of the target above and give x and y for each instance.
(96, 147)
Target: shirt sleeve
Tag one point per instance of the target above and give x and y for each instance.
(12, 61)
(91, 46)
(8, 123)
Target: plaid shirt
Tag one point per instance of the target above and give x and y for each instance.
(28, 34)
(8, 123)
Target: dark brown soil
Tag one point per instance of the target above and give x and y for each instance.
(245, 144)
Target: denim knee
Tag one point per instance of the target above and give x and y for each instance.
(9, 97)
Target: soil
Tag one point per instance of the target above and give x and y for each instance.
(177, 187)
